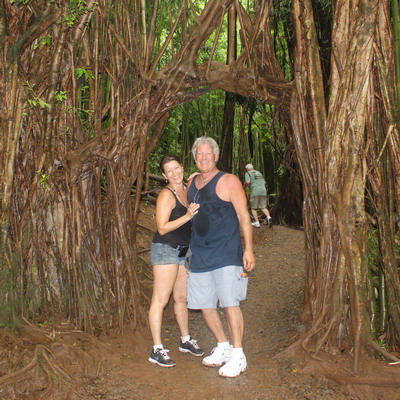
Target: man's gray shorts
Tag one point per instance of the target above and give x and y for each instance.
(226, 285)
(258, 202)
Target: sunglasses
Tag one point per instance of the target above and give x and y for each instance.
(183, 251)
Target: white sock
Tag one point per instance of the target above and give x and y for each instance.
(237, 351)
(158, 346)
(269, 217)
(185, 338)
(223, 345)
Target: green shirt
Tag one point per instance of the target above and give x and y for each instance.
(257, 183)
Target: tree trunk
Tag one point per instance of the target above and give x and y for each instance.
(226, 156)
(332, 161)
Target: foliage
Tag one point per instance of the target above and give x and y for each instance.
(43, 41)
(35, 100)
(75, 10)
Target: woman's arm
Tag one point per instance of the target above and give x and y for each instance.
(165, 203)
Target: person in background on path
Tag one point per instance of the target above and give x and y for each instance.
(217, 264)
(168, 251)
(258, 194)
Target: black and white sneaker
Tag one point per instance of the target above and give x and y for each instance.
(191, 347)
(161, 357)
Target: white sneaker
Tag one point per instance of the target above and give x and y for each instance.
(234, 367)
(256, 224)
(218, 356)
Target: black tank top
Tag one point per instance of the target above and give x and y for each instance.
(215, 230)
(180, 236)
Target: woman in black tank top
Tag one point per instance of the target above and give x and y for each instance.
(173, 218)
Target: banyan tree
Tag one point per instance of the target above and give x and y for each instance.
(87, 88)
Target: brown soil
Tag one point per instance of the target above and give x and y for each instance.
(271, 315)
(115, 366)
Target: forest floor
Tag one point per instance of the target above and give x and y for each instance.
(271, 312)
(114, 366)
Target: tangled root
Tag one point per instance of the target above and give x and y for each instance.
(30, 368)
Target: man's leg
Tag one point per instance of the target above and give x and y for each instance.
(221, 353)
(269, 219)
(237, 362)
(256, 222)
(202, 295)
(231, 293)
(254, 214)
(266, 212)
(234, 316)
(214, 323)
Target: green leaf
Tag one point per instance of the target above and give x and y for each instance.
(85, 73)
(43, 104)
(43, 41)
(60, 96)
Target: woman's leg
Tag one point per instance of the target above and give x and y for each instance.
(180, 306)
(164, 278)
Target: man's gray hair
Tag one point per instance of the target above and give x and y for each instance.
(205, 140)
(249, 167)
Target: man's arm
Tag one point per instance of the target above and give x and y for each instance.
(247, 179)
(229, 188)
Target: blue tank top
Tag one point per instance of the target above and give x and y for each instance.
(215, 230)
(181, 235)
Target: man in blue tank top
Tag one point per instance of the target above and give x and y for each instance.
(218, 262)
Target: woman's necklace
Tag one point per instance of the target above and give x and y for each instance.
(179, 197)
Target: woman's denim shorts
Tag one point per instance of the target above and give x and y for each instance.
(164, 254)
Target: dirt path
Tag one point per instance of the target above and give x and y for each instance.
(271, 323)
